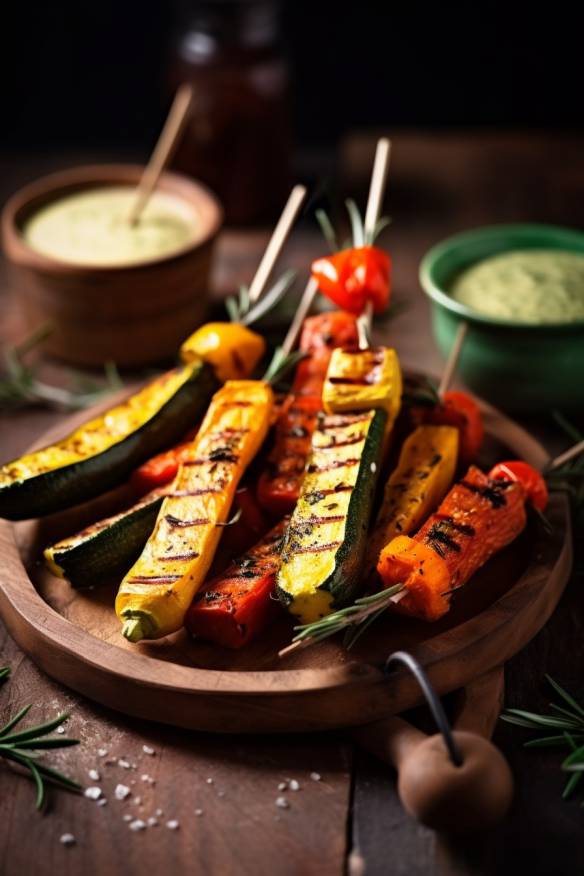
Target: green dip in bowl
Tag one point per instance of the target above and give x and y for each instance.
(524, 348)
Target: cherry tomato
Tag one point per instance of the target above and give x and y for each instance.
(531, 480)
(352, 277)
(460, 410)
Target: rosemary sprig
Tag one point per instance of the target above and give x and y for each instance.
(355, 619)
(282, 363)
(359, 236)
(20, 386)
(21, 747)
(567, 720)
(240, 309)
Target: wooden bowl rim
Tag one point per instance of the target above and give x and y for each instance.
(40, 191)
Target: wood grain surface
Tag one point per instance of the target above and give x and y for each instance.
(441, 183)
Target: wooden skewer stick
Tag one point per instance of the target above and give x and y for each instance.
(276, 243)
(374, 201)
(301, 313)
(163, 151)
(453, 357)
(566, 456)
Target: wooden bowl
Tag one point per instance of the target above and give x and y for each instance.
(132, 315)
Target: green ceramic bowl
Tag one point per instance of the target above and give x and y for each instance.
(518, 366)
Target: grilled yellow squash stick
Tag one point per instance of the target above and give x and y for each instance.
(417, 485)
(155, 594)
(358, 380)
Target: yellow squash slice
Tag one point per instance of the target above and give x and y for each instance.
(155, 594)
(417, 485)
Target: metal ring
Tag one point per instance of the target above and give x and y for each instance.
(432, 700)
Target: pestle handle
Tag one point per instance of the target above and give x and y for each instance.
(442, 795)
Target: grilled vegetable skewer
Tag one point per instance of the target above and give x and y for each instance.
(102, 453)
(155, 594)
(479, 516)
(279, 482)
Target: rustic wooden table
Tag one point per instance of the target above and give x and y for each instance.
(223, 790)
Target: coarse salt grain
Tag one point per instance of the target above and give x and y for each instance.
(137, 800)
(198, 812)
(124, 763)
(93, 775)
(60, 729)
(158, 812)
(221, 793)
(121, 792)
(316, 777)
(282, 803)
(152, 822)
(147, 749)
(93, 793)
(137, 824)
(283, 786)
(67, 839)
(294, 785)
(172, 824)
(102, 801)
(127, 817)
(209, 781)
(101, 752)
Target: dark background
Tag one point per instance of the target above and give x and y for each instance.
(95, 74)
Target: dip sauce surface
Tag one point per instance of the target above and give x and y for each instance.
(91, 227)
(533, 285)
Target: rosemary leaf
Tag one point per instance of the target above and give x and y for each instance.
(327, 229)
(357, 228)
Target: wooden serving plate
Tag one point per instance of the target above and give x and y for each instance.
(75, 637)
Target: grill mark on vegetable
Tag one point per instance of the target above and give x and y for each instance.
(237, 404)
(440, 540)
(191, 555)
(491, 493)
(330, 518)
(317, 548)
(316, 495)
(196, 521)
(339, 421)
(339, 463)
(463, 528)
(183, 493)
(334, 444)
(154, 579)
(369, 379)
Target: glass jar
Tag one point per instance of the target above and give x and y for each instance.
(237, 140)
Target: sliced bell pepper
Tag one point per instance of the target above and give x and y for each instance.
(235, 606)
(352, 277)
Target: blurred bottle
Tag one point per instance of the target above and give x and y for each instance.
(238, 137)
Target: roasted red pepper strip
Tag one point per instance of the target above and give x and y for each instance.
(234, 607)
(162, 468)
(352, 277)
(325, 331)
(279, 483)
(460, 410)
(532, 481)
(478, 518)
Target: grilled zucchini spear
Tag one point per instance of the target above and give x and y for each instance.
(155, 594)
(102, 453)
(326, 540)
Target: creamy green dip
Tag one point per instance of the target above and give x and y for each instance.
(91, 227)
(532, 285)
